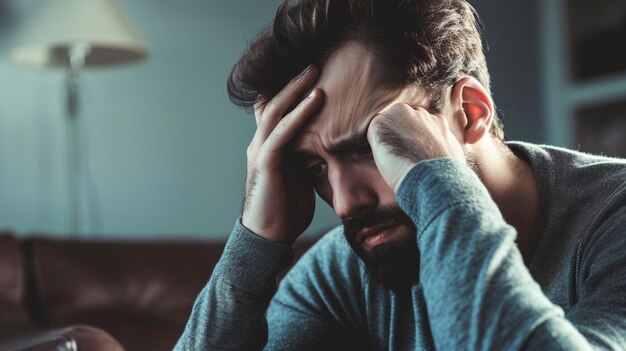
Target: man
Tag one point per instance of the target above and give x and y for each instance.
(452, 238)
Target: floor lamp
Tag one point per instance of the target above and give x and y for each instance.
(74, 35)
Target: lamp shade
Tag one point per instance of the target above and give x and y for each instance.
(101, 24)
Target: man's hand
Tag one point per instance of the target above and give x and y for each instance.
(402, 136)
(279, 203)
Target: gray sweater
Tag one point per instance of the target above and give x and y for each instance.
(476, 291)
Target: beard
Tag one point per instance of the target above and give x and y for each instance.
(393, 264)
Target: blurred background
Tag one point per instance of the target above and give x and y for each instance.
(163, 149)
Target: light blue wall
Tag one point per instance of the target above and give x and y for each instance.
(166, 147)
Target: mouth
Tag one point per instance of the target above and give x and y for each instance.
(370, 237)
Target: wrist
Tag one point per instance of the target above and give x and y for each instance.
(267, 232)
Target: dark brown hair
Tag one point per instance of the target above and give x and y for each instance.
(430, 43)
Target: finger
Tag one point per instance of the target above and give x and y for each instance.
(288, 97)
(289, 125)
(259, 107)
(388, 119)
(371, 128)
(424, 113)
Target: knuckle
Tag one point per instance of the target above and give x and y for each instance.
(395, 108)
(382, 123)
(377, 121)
(419, 109)
(371, 133)
(401, 106)
(377, 126)
(398, 111)
(405, 107)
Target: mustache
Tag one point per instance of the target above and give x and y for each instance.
(386, 214)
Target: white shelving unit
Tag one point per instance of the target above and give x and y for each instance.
(563, 95)
(599, 91)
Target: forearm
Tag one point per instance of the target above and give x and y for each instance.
(230, 311)
(478, 291)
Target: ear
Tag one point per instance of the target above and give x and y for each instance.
(473, 109)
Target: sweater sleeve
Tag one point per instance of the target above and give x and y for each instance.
(600, 312)
(229, 313)
(478, 292)
(319, 304)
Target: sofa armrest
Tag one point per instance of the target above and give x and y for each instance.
(73, 338)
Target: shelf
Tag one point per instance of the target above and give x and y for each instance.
(596, 31)
(584, 77)
(598, 91)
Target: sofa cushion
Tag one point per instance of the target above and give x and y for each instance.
(14, 315)
(139, 292)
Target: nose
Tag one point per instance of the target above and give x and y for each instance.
(353, 192)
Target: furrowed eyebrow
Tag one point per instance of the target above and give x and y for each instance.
(349, 144)
(346, 145)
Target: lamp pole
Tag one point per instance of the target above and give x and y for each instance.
(76, 55)
(74, 35)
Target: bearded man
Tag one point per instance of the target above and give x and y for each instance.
(453, 239)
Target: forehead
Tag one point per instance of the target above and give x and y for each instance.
(351, 97)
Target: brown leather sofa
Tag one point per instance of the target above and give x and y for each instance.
(103, 295)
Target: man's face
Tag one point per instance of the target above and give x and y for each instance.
(334, 149)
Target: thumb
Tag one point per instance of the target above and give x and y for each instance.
(384, 139)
